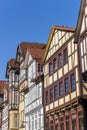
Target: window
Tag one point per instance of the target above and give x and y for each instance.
(35, 121)
(51, 125)
(74, 126)
(65, 56)
(16, 120)
(47, 123)
(54, 64)
(38, 67)
(72, 79)
(67, 123)
(50, 68)
(32, 123)
(81, 126)
(60, 60)
(62, 123)
(55, 92)
(56, 124)
(16, 97)
(46, 96)
(61, 88)
(51, 94)
(22, 116)
(66, 85)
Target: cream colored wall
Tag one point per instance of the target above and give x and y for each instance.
(21, 103)
(72, 64)
(23, 85)
(58, 40)
(11, 119)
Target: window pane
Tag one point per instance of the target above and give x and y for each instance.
(50, 68)
(72, 81)
(60, 59)
(46, 96)
(16, 120)
(66, 85)
(55, 92)
(51, 94)
(67, 123)
(74, 125)
(39, 67)
(65, 55)
(54, 64)
(62, 123)
(61, 88)
(81, 126)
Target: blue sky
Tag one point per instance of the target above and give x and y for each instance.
(31, 20)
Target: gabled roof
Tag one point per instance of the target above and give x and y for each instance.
(37, 53)
(3, 84)
(11, 65)
(60, 28)
(24, 45)
(79, 22)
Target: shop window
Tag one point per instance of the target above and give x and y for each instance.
(51, 94)
(60, 60)
(50, 68)
(54, 64)
(55, 92)
(61, 89)
(65, 56)
(66, 82)
(72, 79)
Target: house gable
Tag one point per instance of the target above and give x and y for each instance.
(58, 36)
(82, 20)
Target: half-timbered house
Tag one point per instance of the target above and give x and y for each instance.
(61, 81)
(34, 107)
(5, 110)
(81, 40)
(3, 86)
(12, 75)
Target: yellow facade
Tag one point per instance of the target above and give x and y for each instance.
(21, 106)
(12, 125)
(58, 40)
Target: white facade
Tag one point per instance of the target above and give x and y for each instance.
(34, 113)
(5, 118)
